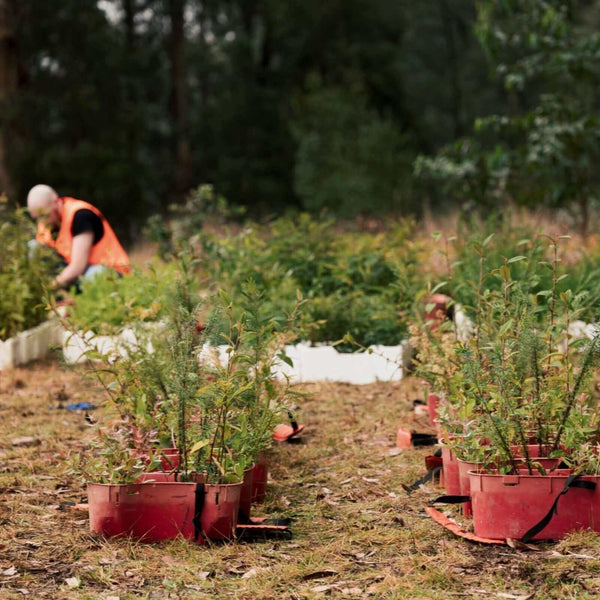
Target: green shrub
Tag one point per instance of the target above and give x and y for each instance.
(109, 302)
(23, 278)
(351, 282)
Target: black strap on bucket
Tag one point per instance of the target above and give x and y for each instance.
(198, 507)
(424, 439)
(451, 499)
(571, 482)
(409, 489)
(293, 421)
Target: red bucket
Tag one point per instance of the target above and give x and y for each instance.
(260, 474)
(465, 488)
(150, 512)
(220, 511)
(450, 467)
(507, 506)
(169, 459)
(246, 493)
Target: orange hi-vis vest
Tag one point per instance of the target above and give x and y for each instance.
(108, 251)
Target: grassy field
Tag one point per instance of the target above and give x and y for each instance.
(356, 534)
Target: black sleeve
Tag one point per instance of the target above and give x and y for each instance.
(85, 220)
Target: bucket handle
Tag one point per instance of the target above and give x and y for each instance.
(572, 481)
(409, 489)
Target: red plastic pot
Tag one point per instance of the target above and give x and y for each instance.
(450, 469)
(465, 488)
(507, 506)
(150, 512)
(548, 464)
(220, 512)
(432, 404)
(537, 454)
(246, 494)
(260, 474)
(169, 459)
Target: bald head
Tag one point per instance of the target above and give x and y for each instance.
(40, 197)
(44, 204)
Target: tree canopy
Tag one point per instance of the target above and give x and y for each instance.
(316, 105)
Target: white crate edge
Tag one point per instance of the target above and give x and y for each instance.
(310, 363)
(32, 344)
(76, 345)
(325, 363)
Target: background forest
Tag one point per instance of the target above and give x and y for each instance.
(345, 106)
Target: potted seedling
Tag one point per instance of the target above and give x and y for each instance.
(241, 400)
(517, 396)
(146, 387)
(125, 500)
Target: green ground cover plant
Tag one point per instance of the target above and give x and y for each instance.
(24, 275)
(355, 284)
(109, 302)
(580, 275)
(352, 282)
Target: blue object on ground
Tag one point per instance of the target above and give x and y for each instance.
(79, 406)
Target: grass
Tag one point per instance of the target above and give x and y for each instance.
(356, 533)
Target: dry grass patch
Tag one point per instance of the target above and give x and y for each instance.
(356, 532)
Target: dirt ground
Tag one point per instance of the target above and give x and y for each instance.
(356, 533)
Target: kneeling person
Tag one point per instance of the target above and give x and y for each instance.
(78, 232)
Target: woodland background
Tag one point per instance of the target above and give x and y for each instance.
(349, 107)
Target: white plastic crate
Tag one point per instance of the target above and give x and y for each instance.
(76, 346)
(325, 363)
(310, 363)
(31, 344)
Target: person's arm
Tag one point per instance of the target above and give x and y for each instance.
(80, 254)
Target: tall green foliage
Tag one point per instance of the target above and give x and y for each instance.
(24, 274)
(275, 103)
(543, 147)
(352, 283)
(350, 160)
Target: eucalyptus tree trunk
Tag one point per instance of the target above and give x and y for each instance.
(451, 30)
(179, 97)
(8, 81)
(129, 10)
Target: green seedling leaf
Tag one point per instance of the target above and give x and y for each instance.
(505, 328)
(198, 446)
(439, 286)
(487, 240)
(515, 259)
(225, 297)
(504, 272)
(286, 359)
